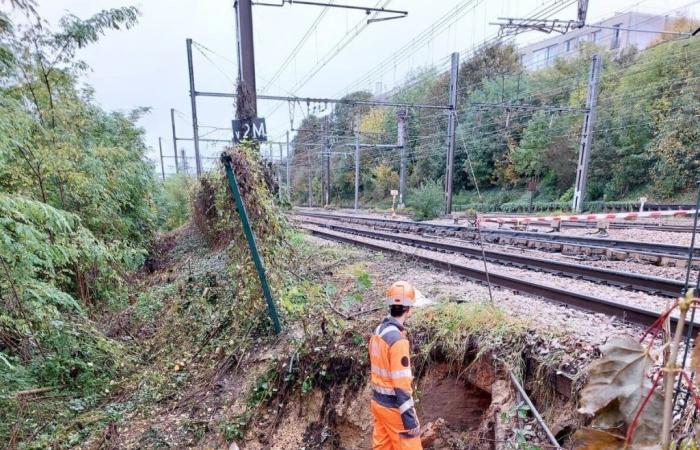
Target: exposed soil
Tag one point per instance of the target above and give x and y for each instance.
(444, 396)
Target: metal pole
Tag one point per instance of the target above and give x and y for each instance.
(308, 156)
(246, 100)
(502, 105)
(292, 99)
(172, 122)
(539, 418)
(451, 128)
(279, 174)
(401, 116)
(160, 148)
(326, 161)
(185, 166)
(246, 108)
(357, 170)
(289, 179)
(584, 153)
(250, 237)
(193, 102)
(691, 325)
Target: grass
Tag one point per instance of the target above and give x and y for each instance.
(459, 332)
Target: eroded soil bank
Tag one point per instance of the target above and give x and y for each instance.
(472, 408)
(308, 388)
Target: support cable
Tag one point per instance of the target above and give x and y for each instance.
(477, 222)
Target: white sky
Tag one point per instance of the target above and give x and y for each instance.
(147, 65)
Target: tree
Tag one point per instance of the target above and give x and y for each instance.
(487, 63)
(345, 117)
(306, 145)
(76, 212)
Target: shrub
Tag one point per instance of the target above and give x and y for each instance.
(172, 202)
(426, 201)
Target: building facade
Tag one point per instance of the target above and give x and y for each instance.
(613, 34)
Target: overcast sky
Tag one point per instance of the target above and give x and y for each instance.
(147, 65)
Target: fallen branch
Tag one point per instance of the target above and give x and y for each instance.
(335, 310)
(367, 311)
(35, 391)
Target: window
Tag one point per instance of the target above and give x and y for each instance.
(551, 54)
(544, 57)
(595, 36)
(569, 45)
(615, 41)
(539, 58)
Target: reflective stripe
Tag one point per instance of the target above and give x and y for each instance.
(401, 373)
(395, 374)
(381, 372)
(405, 406)
(383, 390)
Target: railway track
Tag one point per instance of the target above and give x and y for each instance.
(655, 252)
(625, 280)
(629, 313)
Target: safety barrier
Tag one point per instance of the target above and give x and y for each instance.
(592, 217)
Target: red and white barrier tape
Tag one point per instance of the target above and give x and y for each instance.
(593, 217)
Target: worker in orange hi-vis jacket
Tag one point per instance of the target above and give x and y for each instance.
(396, 425)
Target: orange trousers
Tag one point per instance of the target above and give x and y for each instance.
(387, 426)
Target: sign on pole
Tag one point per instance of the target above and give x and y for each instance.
(251, 129)
(394, 193)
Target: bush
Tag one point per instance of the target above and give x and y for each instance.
(567, 196)
(55, 273)
(172, 201)
(426, 201)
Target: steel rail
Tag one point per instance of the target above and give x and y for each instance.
(470, 233)
(629, 313)
(626, 280)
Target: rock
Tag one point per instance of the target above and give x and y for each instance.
(233, 446)
(431, 432)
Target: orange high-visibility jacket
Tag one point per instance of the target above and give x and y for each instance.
(391, 371)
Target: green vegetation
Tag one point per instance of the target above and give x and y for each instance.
(455, 331)
(426, 200)
(77, 214)
(645, 143)
(173, 202)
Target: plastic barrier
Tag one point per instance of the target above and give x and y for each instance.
(592, 217)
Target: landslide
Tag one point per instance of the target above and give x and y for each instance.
(211, 374)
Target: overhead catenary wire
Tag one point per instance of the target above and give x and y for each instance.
(332, 53)
(438, 119)
(295, 51)
(552, 5)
